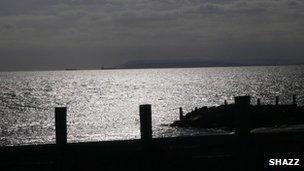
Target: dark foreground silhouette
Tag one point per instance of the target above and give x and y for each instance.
(228, 116)
(244, 151)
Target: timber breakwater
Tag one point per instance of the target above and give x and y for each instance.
(230, 116)
(241, 151)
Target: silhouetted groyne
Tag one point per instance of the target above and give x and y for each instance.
(240, 151)
(230, 116)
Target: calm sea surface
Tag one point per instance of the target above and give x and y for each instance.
(104, 104)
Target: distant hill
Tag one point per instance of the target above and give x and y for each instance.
(193, 63)
(137, 64)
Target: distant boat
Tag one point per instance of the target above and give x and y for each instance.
(70, 69)
(107, 68)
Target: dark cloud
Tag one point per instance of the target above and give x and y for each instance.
(210, 8)
(59, 33)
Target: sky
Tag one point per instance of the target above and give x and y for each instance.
(58, 34)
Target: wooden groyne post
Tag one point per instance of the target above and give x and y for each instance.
(61, 136)
(60, 126)
(242, 131)
(242, 115)
(145, 123)
(181, 114)
(294, 100)
(146, 134)
(277, 100)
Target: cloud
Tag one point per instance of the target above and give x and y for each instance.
(127, 29)
(210, 8)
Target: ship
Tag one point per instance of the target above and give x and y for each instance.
(71, 69)
(230, 116)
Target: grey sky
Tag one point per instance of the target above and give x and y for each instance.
(57, 34)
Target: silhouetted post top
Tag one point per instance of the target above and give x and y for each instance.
(242, 121)
(145, 122)
(294, 100)
(181, 115)
(259, 102)
(242, 100)
(60, 125)
(242, 116)
(277, 100)
(225, 102)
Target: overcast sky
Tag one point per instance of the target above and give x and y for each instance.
(58, 34)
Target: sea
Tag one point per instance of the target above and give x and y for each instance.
(103, 105)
